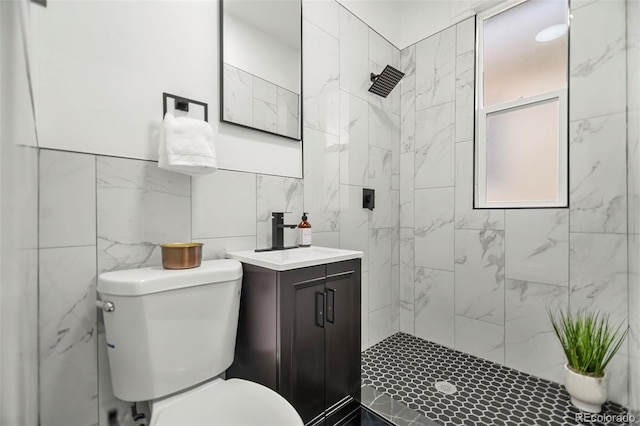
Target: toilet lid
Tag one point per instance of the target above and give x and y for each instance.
(229, 403)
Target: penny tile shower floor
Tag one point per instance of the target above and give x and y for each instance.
(399, 376)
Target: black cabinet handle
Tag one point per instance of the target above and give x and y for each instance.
(320, 309)
(331, 300)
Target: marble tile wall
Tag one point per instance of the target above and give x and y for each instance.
(481, 280)
(101, 213)
(251, 101)
(352, 141)
(633, 197)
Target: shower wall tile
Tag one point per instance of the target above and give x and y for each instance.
(597, 60)
(434, 305)
(634, 295)
(354, 55)
(381, 123)
(548, 256)
(480, 338)
(217, 248)
(321, 63)
(531, 344)
(380, 181)
(322, 180)
(139, 206)
(395, 93)
(618, 372)
(465, 96)
(598, 273)
(395, 153)
(407, 266)
(466, 36)
(324, 14)
(465, 216)
(538, 245)
(479, 275)
(407, 318)
(407, 190)
(435, 73)
(354, 222)
(598, 174)
(406, 281)
(379, 325)
(395, 230)
(407, 113)
(67, 333)
(380, 278)
(238, 95)
(67, 199)
(633, 168)
(634, 386)
(434, 228)
(288, 113)
(408, 61)
(223, 204)
(395, 298)
(434, 146)
(380, 51)
(278, 194)
(354, 140)
(364, 312)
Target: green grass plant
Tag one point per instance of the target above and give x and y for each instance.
(588, 339)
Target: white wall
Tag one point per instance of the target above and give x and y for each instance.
(102, 67)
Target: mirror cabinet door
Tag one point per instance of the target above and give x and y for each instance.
(261, 65)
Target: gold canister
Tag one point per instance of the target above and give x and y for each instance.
(181, 255)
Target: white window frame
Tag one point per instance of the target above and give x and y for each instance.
(480, 184)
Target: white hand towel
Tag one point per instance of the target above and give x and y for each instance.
(186, 146)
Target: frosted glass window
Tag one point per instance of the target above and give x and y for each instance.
(521, 144)
(522, 154)
(516, 65)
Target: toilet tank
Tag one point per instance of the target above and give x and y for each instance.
(170, 329)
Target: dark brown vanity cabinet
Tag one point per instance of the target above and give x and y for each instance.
(299, 334)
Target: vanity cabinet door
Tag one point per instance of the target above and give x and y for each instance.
(302, 343)
(342, 332)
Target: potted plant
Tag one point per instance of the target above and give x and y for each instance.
(589, 342)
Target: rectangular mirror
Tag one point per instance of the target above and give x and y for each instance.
(261, 70)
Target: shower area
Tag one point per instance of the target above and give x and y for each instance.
(470, 341)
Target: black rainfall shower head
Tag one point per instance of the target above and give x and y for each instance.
(384, 82)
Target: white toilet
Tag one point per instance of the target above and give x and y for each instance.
(170, 333)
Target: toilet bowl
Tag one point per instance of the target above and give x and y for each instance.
(170, 334)
(231, 402)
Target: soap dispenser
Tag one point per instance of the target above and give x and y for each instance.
(304, 231)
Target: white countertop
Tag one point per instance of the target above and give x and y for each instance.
(302, 257)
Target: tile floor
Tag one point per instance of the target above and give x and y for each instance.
(399, 376)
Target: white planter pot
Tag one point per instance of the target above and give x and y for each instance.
(587, 393)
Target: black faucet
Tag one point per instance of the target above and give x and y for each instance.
(277, 231)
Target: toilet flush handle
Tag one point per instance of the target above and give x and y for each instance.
(105, 306)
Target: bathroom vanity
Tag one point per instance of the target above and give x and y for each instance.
(299, 330)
